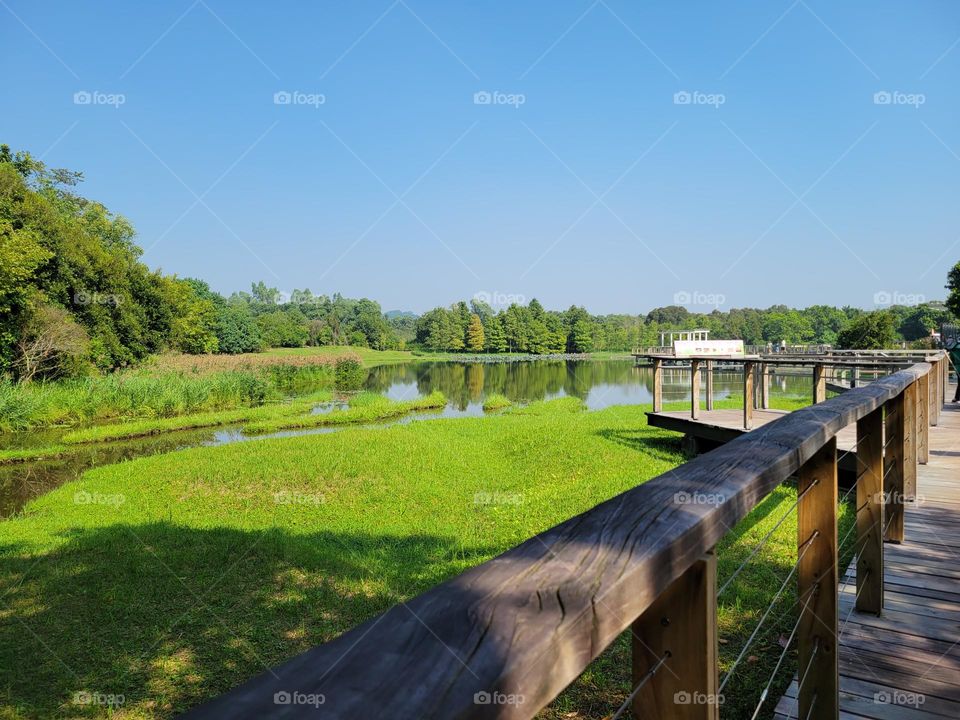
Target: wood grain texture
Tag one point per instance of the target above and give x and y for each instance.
(683, 623)
(818, 630)
(893, 490)
(695, 389)
(870, 513)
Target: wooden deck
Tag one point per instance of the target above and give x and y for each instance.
(905, 664)
(722, 426)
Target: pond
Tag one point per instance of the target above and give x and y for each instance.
(598, 383)
(466, 384)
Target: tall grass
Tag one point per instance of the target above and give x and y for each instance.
(143, 394)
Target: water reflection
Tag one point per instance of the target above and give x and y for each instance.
(598, 384)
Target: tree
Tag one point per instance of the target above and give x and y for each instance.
(919, 321)
(494, 339)
(283, 329)
(579, 330)
(264, 294)
(953, 285)
(475, 336)
(51, 345)
(237, 331)
(193, 328)
(870, 331)
(669, 315)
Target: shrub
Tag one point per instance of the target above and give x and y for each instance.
(349, 374)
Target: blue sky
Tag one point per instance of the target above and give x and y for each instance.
(630, 154)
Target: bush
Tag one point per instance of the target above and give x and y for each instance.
(349, 374)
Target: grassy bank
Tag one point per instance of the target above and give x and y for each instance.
(151, 393)
(171, 578)
(363, 408)
(142, 428)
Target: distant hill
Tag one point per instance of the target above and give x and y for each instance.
(392, 314)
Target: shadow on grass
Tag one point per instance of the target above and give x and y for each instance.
(661, 447)
(168, 616)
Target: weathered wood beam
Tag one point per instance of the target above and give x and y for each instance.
(681, 625)
(893, 488)
(869, 517)
(657, 385)
(818, 629)
(695, 389)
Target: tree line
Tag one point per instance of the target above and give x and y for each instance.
(476, 327)
(75, 298)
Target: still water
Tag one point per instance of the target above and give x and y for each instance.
(598, 383)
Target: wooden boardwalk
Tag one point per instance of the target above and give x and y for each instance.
(905, 664)
(724, 425)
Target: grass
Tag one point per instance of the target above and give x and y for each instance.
(364, 408)
(142, 428)
(495, 402)
(151, 393)
(368, 357)
(171, 578)
(16, 455)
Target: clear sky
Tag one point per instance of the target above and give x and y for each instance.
(434, 150)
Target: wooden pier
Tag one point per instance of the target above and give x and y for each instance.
(879, 641)
(905, 663)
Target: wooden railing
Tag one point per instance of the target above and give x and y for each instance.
(757, 373)
(504, 638)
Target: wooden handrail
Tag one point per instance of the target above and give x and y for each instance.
(504, 638)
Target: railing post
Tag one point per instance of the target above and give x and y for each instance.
(854, 376)
(910, 442)
(923, 419)
(819, 383)
(657, 384)
(818, 629)
(694, 388)
(893, 470)
(709, 372)
(870, 513)
(682, 621)
(934, 382)
(765, 386)
(748, 373)
(946, 378)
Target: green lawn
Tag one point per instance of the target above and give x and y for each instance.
(171, 578)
